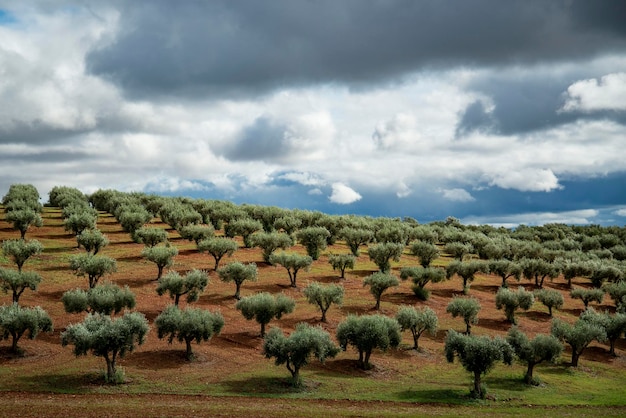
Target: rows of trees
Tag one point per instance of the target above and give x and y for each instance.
(595, 255)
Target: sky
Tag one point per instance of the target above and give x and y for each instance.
(499, 112)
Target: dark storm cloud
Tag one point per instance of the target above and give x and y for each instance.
(262, 140)
(36, 132)
(46, 157)
(475, 118)
(227, 48)
(526, 103)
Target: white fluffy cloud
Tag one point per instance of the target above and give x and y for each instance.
(457, 195)
(606, 93)
(343, 194)
(620, 212)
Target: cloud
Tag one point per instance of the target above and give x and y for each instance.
(620, 212)
(230, 49)
(343, 195)
(577, 217)
(457, 195)
(607, 93)
(534, 180)
(271, 140)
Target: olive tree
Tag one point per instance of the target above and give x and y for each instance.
(79, 222)
(21, 250)
(92, 240)
(355, 238)
(418, 322)
(93, 266)
(288, 224)
(263, 307)
(366, 333)
(293, 263)
(587, 295)
(133, 218)
(106, 299)
(18, 281)
(296, 350)
(466, 271)
(606, 273)
(218, 247)
(466, 308)
(324, 296)
(238, 272)
(573, 269)
(614, 325)
(532, 352)
(378, 283)
(510, 301)
(342, 262)
(458, 250)
(538, 269)
(552, 299)
(425, 251)
(107, 338)
(244, 227)
(313, 239)
(188, 325)
(421, 276)
(478, 355)
(23, 219)
(16, 321)
(270, 242)
(505, 269)
(150, 236)
(617, 292)
(162, 256)
(382, 254)
(191, 284)
(578, 336)
(196, 233)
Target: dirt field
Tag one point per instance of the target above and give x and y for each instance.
(230, 376)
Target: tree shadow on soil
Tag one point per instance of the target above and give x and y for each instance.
(494, 324)
(63, 383)
(539, 316)
(486, 288)
(158, 359)
(447, 396)
(264, 385)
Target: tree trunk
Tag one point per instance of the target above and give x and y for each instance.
(468, 329)
(189, 353)
(612, 347)
(14, 347)
(237, 289)
(23, 233)
(160, 272)
(550, 310)
(415, 338)
(293, 279)
(360, 363)
(262, 330)
(366, 360)
(324, 315)
(575, 357)
(343, 272)
(528, 379)
(176, 299)
(377, 307)
(110, 367)
(217, 262)
(478, 391)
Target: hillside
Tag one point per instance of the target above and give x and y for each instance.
(232, 364)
